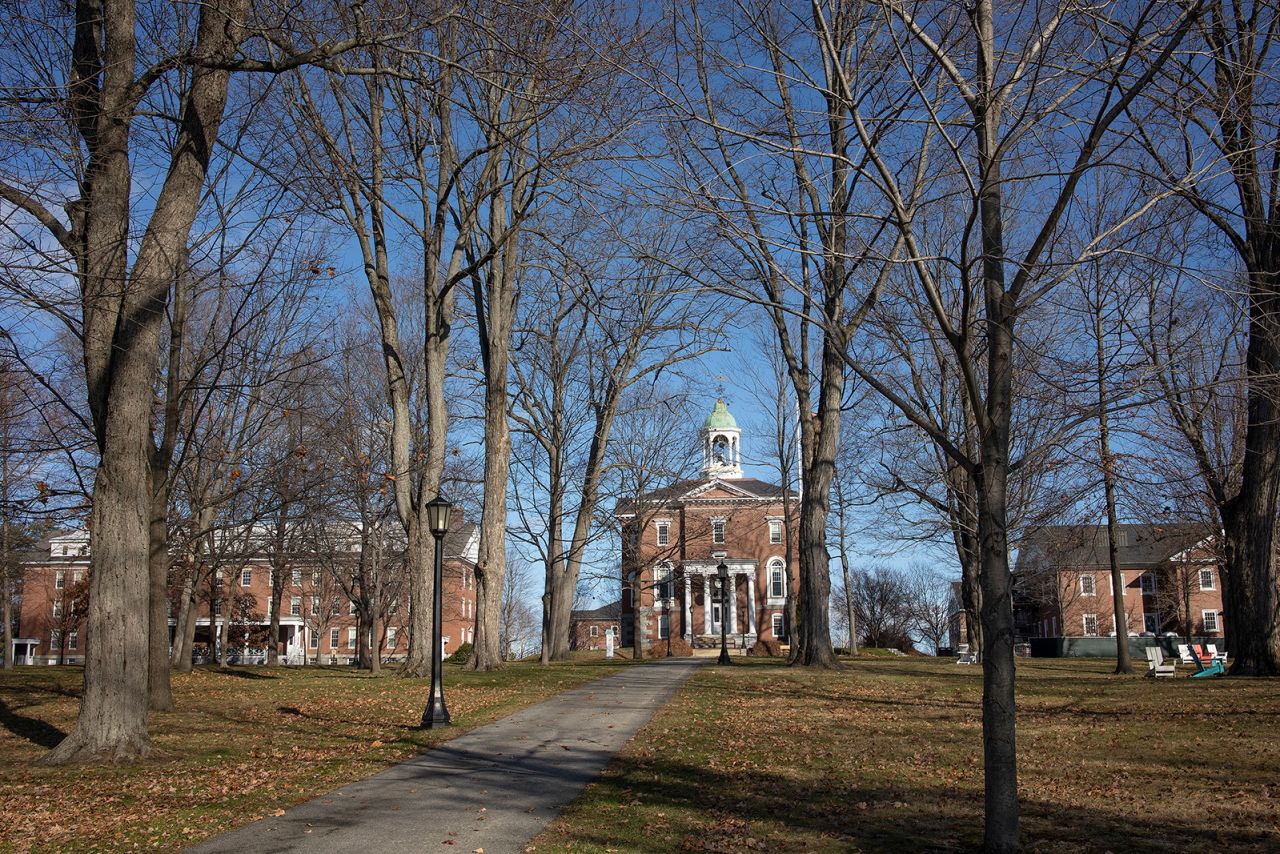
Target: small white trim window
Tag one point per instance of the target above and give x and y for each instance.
(59, 580)
(1090, 625)
(1111, 584)
(777, 626)
(391, 638)
(775, 532)
(717, 531)
(57, 609)
(73, 640)
(351, 637)
(595, 631)
(295, 606)
(664, 626)
(664, 533)
(55, 640)
(1148, 582)
(1209, 618)
(246, 577)
(1088, 585)
(1206, 579)
(333, 638)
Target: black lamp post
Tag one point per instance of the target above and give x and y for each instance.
(722, 573)
(436, 715)
(671, 605)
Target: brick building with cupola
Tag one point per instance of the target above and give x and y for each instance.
(675, 538)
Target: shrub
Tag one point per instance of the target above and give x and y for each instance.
(679, 649)
(461, 655)
(766, 648)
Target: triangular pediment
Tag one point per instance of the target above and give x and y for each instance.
(717, 488)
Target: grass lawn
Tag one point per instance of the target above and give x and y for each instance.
(242, 744)
(887, 756)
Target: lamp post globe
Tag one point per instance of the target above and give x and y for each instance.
(722, 580)
(436, 714)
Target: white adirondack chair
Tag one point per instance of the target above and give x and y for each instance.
(1184, 653)
(1214, 654)
(1159, 665)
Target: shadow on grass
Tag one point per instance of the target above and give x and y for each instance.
(773, 808)
(239, 673)
(32, 729)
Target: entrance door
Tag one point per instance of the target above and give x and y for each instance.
(715, 618)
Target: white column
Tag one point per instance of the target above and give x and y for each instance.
(687, 627)
(706, 604)
(733, 603)
(751, 603)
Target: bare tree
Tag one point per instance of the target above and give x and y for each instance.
(1210, 129)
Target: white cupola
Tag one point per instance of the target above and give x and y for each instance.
(721, 452)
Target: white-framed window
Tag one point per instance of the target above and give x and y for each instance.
(717, 531)
(1088, 585)
(313, 639)
(295, 577)
(77, 576)
(1111, 584)
(351, 637)
(295, 606)
(55, 640)
(391, 638)
(664, 626)
(595, 631)
(335, 609)
(1126, 622)
(1206, 579)
(57, 609)
(778, 631)
(246, 577)
(1209, 618)
(777, 580)
(775, 531)
(315, 604)
(1148, 582)
(333, 638)
(59, 580)
(351, 609)
(1090, 625)
(663, 588)
(315, 577)
(664, 533)
(217, 576)
(73, 640)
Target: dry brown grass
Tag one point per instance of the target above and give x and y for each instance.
(886, 756)
(241, 745)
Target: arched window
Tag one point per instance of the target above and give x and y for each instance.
(777, 580)
(663, 588)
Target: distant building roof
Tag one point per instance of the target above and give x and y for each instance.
(612, 611)
(1087, 545)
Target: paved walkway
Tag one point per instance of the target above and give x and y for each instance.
(495, 787)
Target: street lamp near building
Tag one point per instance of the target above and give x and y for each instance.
(436, 715)
(671, 609)
(722, 580)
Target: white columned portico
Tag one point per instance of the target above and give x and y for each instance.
(733, 603)
(751, 603)
(706, 604)
(687, 626)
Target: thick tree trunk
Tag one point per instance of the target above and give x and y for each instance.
(1251, 559)
(417, 662)
(815, 571)
(160, 695)
(491, 567)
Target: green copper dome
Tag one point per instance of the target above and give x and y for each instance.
(720, 419)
